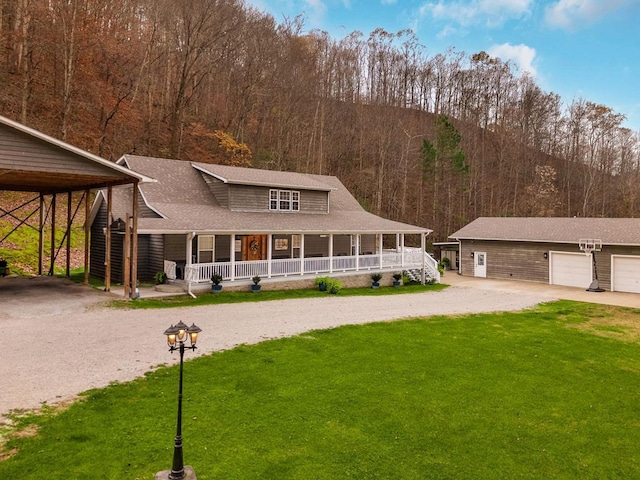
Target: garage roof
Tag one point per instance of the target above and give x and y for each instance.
(612, 231)
(31, 161)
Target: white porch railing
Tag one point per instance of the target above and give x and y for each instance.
(413, 258)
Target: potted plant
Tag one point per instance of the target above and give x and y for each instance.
(322, 282)
(333, 286)
(160, 278)
(396, 279)
(375, 280)
(216, 278)
(256, 284)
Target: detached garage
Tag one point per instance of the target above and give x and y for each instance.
(547, 250)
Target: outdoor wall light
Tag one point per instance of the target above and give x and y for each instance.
(472, 254)
(177, 337)
(546, 255)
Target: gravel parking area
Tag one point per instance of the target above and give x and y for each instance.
(58, 340)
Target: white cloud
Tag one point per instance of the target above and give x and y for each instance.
(316, 12)
(472, 12)
(388, 2)
(572, 14)
(521, 55)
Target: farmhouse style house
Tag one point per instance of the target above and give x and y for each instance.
(548, 250)
(201, 219)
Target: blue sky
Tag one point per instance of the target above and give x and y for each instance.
(576, 48)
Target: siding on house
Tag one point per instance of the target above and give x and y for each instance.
(218, 188)
(525, 260)
(151, 261)
(175, 248)
(24, 152)
(144, 211)
(249, 198)
(98, 244)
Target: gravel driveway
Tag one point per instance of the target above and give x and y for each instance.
(60, 342)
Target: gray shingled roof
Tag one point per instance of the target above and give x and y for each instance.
(265, 178)
(612, 231)
(182, 196)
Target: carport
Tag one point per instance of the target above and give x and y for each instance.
(31, 161)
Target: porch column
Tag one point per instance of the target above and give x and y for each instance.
(232, 257)
(402, 250)
(269, 253)
(302, 254)
(397, 242)
(357, 251)
(423, 243)
(331, 253)
(380, 248)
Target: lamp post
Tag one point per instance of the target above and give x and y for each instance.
(177, 337)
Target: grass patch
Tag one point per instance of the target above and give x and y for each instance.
(526, 395)
(209, 298)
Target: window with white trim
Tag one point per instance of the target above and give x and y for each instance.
(284, 200)
(206, 248)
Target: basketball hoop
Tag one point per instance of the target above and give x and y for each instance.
(589, 245)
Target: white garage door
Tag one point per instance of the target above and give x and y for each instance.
(570, 269)
(625, 276)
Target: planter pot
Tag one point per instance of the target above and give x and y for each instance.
(216, 288)
(375, 284)
(255, 288)
(396, 284)
(322, 287)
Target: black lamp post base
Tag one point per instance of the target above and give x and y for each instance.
(189, 474)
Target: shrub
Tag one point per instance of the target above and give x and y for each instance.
(333, 286)
(160, 278)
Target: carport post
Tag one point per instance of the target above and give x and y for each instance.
(87, 231)
(134, 242)
(53, 234)
(68, 252)
(127, 258)
(41, 236)
(107, 243)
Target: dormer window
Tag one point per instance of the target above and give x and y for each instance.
(284, 200)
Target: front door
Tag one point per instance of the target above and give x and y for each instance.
(480, 264)
(254, 247)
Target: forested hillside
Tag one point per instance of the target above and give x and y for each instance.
(434, 140)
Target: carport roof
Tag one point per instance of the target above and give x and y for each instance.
(31, 161)
(612, 231)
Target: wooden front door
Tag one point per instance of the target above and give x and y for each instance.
(254, 247)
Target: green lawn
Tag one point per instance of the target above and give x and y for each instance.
(550, 393)
(208, 298)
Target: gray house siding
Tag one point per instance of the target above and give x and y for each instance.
(312, 201)
(24, 152)
(175, 248)
(144, 211)
(98, 244)
(247, 198)
(219, 189)
(526, 260)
